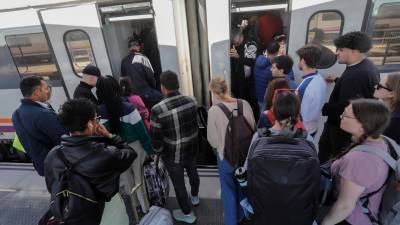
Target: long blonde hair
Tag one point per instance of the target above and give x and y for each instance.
(393, 83)
(218, 86)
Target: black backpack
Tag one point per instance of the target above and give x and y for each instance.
(283, 179)
(238, 135)
(73, 200)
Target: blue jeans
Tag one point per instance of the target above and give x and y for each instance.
(261, 107)
(230, 193)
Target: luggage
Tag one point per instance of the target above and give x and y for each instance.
(157, 216)
(156, 180)
(238, 135)
(283, 179)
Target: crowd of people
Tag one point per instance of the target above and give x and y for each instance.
(104, 138)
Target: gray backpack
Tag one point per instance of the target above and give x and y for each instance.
(389, 212)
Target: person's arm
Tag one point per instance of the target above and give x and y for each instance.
(156, 132)
(213, 135)
(349, 194)
(349, 89)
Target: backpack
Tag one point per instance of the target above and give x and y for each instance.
(73, 200)
(389, 211)
(238, 135)
(283, 178)
(156, 181)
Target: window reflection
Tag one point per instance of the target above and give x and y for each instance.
(385, 31)
(32, 56)
(323, 29)
(79, 50)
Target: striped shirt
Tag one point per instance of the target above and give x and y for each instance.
(174, 127)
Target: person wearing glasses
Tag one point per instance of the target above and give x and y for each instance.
(388, 91)
(101, 158)
(357, 81)
(360, 174)
(122, 118)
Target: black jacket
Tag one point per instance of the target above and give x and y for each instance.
(357, 81)
(138, 68)
(84, 90)
(102, 169)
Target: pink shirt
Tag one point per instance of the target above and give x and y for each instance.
(139, 104)
(366, 170)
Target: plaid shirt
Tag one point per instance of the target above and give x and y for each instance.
(174, 127)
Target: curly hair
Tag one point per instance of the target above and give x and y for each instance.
(355, 40)
(218, 86)
(76, 113)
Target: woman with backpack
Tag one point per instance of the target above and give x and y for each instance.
(217, 125)
(388, 91)
(360, 176)
(122, 118)
(283, 168)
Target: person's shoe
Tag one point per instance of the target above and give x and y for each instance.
(195, 200)
(179, 216)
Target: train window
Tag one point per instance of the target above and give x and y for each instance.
(384, 28)
(32, 55)
(323, 28)
(79, 49)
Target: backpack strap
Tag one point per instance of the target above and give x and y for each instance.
(70, 165)
(385, 156)
(225, 109)
(240, 107)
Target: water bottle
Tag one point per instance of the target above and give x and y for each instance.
(241, 177)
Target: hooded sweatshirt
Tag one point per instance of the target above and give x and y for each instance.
(262, 75)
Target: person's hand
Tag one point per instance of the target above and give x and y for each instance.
(330, 78)
(102, 131)
(233, 53)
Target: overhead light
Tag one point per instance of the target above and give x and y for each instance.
(134, 17)
(259, 8)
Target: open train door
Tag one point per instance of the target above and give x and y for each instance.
(77, 40)
(320, 22)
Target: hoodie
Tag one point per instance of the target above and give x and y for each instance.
(262, 75)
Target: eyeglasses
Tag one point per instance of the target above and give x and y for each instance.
(379, 86)
(347, 116)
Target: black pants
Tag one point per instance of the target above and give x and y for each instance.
(344, 222)
(332, 141)
(176, 173)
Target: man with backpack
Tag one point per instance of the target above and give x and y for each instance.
(283, 169)
(83, 172)
(174, 131)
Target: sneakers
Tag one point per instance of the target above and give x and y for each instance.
(179, 216)
(195, 200)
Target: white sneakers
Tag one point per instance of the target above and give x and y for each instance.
(180, 216)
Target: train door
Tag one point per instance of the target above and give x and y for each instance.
(77, 40)
(320, 22)
(122, 22)
(24, 51)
